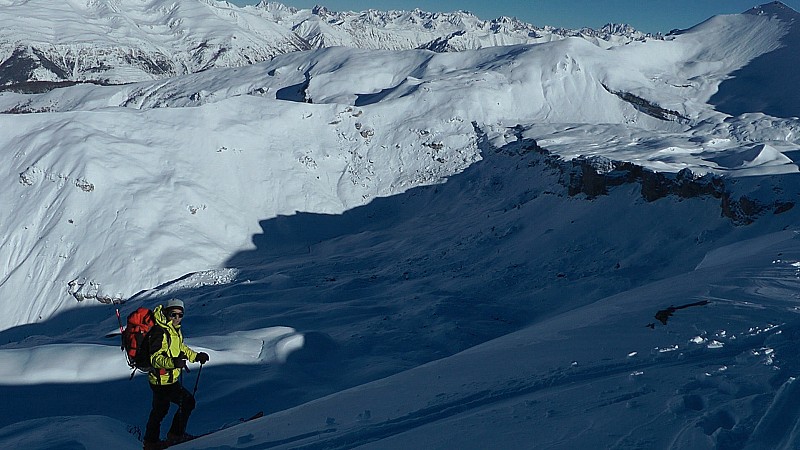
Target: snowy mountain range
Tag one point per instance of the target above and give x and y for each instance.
(116, 41)
(563, 243)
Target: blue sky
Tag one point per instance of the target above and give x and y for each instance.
(645, 15)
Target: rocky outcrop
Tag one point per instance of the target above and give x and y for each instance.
(647, 107)
(592, 177)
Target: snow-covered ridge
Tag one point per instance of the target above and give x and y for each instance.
(774, 8)
(112, 41)
(457, 31)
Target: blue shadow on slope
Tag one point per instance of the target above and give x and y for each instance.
(369, 99)
(760, 86)
(373, 263)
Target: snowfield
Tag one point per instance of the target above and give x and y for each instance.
(549, 245)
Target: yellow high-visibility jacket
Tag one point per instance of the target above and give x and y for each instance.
(165, 346)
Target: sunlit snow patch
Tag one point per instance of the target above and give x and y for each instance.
(699, 340)
(193, 280)
(759, 156)
(264, 345)
(91, 363)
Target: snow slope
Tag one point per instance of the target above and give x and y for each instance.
(391, 249)
(756, 86)
(720, 375)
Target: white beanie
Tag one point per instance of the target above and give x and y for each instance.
(175, 303)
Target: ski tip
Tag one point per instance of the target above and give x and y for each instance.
(253, 417)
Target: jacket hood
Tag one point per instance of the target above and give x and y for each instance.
(161, 319)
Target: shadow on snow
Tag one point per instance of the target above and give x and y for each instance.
(391, 285)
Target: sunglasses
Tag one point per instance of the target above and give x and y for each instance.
(176, 314)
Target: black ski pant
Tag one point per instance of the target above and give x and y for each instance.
(163, 395)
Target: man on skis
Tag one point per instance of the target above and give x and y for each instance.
(168, 357)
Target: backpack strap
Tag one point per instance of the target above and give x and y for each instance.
(155, 339)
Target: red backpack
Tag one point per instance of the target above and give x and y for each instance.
(135, 339)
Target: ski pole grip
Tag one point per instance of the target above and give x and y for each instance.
(119, 320)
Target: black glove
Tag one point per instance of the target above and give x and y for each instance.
(202, 358)
(179, 363)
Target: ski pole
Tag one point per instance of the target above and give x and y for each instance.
(197, 381)
(180, 400)
(122, 338)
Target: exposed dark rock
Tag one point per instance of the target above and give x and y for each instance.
(744, 210)
(782, 207)
(585, 178)
(19, 67)
(156, 64)
(38, 87)
(664, 314)
(647, 107)
(595, 176)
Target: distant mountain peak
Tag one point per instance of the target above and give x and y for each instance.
(321, 11)
(778, 9)
(275, 7)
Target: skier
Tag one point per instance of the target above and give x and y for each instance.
(168, 358)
